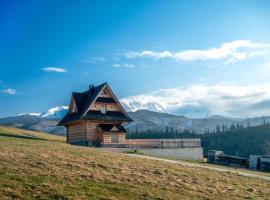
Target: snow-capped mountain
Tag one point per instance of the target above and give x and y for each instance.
(55, 113)
(59, 111)
(133, 106)
(32, 114)
(188, 110)
(143, 120)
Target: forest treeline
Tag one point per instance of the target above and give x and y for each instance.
(236, 140)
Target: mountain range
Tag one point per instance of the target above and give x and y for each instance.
(144, 120)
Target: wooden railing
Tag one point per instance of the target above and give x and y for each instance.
(163, 143)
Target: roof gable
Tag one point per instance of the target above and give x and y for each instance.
(111, 94)
(92, 97)
(84, 100)
(117, 101)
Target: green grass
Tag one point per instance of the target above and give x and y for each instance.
(47, 168)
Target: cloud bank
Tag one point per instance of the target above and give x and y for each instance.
(204, 100)
(54, 69)
(231, 51)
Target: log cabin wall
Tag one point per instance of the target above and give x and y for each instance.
(75, 133)
(90, 131)
(109, 106)
(122, 138)
(107, 138)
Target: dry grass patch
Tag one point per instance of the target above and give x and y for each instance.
(21, 133)
(42, 169)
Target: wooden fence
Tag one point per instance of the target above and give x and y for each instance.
(163, 143)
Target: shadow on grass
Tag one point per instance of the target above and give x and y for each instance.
(21, 136)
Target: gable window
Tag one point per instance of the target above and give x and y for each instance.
(103, 110)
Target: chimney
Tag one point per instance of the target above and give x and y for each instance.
(91, 88)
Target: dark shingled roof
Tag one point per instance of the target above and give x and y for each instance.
(79, 98)
(83, 101)
(108, 116)
(69, 117)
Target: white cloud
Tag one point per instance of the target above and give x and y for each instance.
(231, 51)
(9, 91)
(54, 69)
(125, 65)
(202, 100)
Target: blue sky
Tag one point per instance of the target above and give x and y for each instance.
(185, 57)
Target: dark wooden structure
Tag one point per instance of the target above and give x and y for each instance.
(95, 117)
(259, 162)
(219, 158)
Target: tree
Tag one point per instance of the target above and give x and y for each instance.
(166, 130)
(266, 147)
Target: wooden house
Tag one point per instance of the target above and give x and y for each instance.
(95, 117)
(219, 158)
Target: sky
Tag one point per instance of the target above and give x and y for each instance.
(193, 58)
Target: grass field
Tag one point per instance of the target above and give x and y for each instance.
(21, 133)
(40, 166)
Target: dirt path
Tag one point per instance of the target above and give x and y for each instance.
(203, 166)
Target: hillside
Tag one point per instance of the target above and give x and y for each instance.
(149, 121)
(35, 123)
(45, 169)
(25, 134)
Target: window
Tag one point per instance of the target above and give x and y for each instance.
(103, 110)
